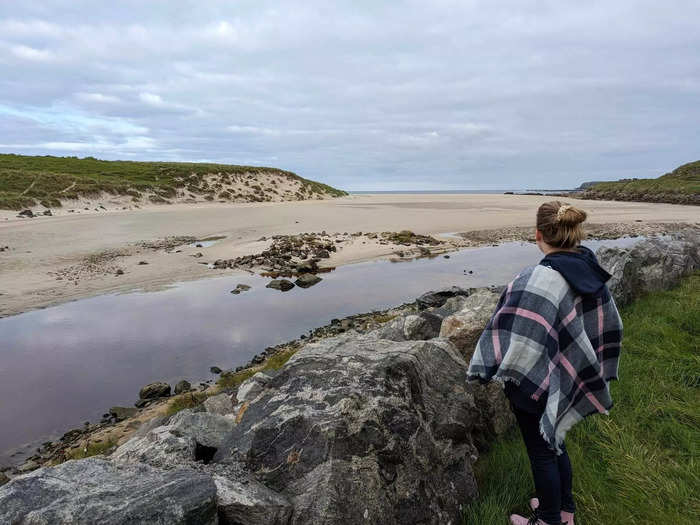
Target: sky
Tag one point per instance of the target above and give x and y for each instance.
(363, 95)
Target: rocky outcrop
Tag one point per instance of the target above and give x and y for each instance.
(359, 430)
(650, 265)
(464, 327)
(98, 491)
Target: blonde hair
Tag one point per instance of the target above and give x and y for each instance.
(560, 224)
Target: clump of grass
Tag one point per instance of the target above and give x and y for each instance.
(640, 464)
(92, 449)
(186, 400)
(230, 380)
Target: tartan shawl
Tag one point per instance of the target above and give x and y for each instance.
(547, 339)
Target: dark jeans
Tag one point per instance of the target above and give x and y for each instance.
(552, 473)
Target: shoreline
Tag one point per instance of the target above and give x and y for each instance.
(48, 261)
(453, 241)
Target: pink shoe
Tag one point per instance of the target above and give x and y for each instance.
(567, 518)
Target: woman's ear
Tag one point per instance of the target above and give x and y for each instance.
(538, 235)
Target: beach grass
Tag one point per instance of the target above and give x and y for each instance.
(641, 464)
(28, 180)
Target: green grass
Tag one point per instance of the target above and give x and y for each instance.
(27, 180)
(681, 185)
(639, 465)
(275, 362)
(93, 449)
(186, 400)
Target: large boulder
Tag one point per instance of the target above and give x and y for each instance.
(98, 491)
(437, 298)
(358, 430)
(650, 265)
(412, 327)
(155, 390)
(219, 404)
(188, 436)
(248, 502)
(464, 327)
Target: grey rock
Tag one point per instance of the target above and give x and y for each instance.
(452, 305)
(122, 412)
(307, 267)
(464, 327)
(308, 279)
(93, 490)
(154, 390)
(280, 284)
(438, 298)
(250, 503)
(650, 265)
(240, 288)
(356, 430)
(188, 436)
(26, 213)
(182, 386)
(420, 327)
(251, 387)
(219, 404)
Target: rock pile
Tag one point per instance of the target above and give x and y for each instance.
(288, 255)
(653, 264)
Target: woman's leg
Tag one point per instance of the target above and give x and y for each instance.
(565, 478)
(545, 467)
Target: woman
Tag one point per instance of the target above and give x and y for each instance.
(554, 343)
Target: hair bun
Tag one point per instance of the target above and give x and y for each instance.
(568, 215)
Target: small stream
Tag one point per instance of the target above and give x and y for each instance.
(67, 364)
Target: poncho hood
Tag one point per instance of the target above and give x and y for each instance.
(581, 270)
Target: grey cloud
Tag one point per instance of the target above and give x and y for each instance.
(362, 95)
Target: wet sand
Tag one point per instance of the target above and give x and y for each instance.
(65, 257)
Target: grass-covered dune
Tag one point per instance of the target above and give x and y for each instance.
(640, 464)
(26, 181)
(681, 186)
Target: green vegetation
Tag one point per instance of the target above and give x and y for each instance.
(92, 449)
(27, 180)
(640, 465)
(274, 362)
(681, 186)
(186, 400)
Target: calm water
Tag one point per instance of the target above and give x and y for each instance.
(69, 363)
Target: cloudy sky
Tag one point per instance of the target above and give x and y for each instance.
(363, 94)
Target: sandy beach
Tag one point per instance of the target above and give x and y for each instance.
(49, 260)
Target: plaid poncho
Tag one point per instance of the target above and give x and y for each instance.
(547, 339)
